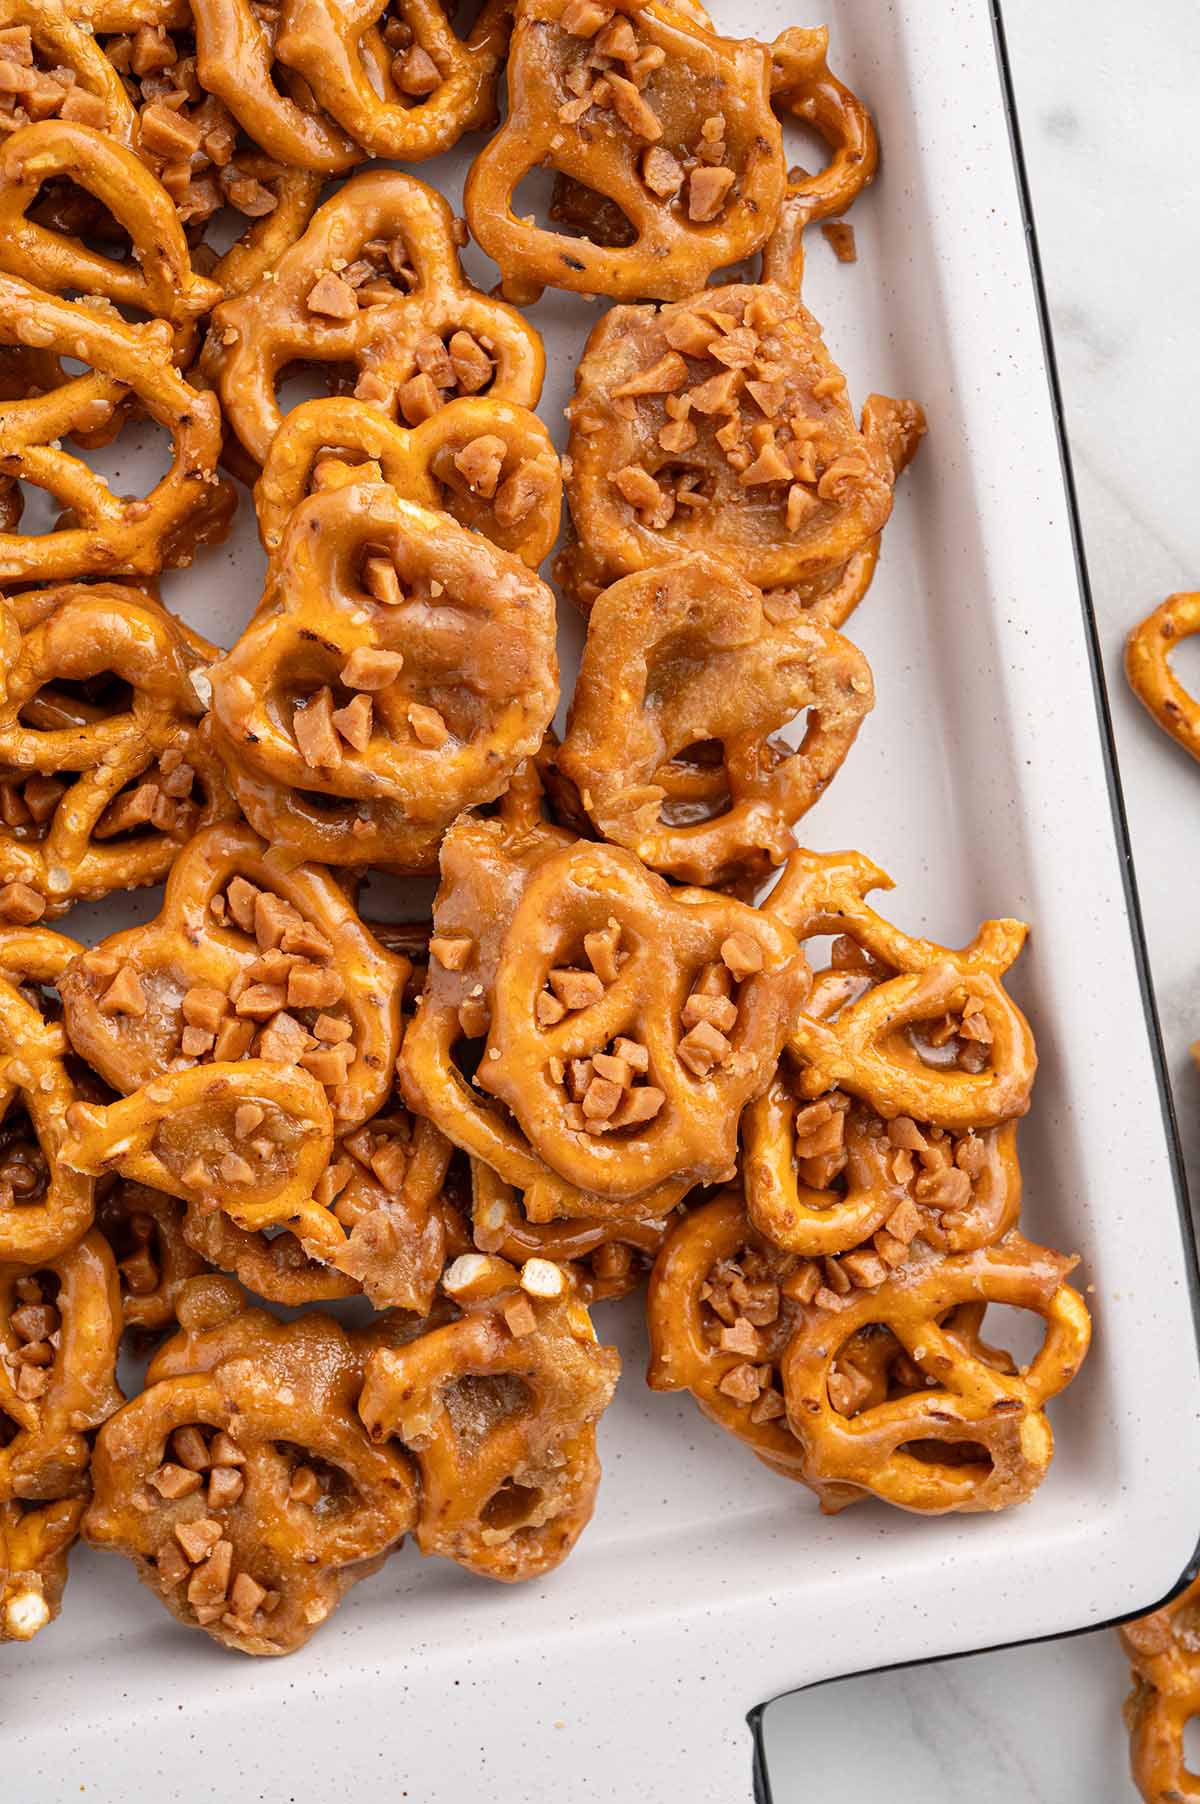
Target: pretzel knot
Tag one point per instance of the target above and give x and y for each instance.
(44, 1207)
(498, 1408)
(610, 1257)
(646, 107)
(978, 1440)
(685, 660)
(401, 314)
(631, 1024)
(888, 1045)
(489, 464)
(243, 960)
(1162, 1650)
(1147, 665)
(101, 753)
(59, 1329)
(434, 90)
(721, 424)
(240, 1481)
(406, 669)
(144, 1228)
(155, 278)
(34, 1543)
(102, 534)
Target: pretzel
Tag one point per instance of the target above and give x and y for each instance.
(244, 960)
(399, 672)
(1162, 1650)
(436, 85)
(44, 1207)
(34, 1543)
(647, 107)
(610, 1257)
(155, 278)
(1148, 667)
(401, 314)
(189, 506)
(240, 1481)
(720, 423)
(98, 796)
(144, 1228)
(687, 654)
(67, 74)
(295, 193)
(235, 60)
(59, 1329)
(490, 465)
(899, 1450)
(498, 1408)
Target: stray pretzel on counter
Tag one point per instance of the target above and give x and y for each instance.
(1163, 1652)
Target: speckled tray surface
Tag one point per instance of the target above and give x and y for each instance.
(705, 1584)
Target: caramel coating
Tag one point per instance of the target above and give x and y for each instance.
(721, 424)
(1162, 1650)
(59, 1328)
(685, 656)
(293, 1504)
(34, 1543)
(409, 310)
(235, 59)
(98, 795)
(645, 106)
(110, 536)
(489, 464)
(1148, 667)
(385, 613)
(498, 1408)
(444, 86)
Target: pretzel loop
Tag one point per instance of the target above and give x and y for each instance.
(1147, 665)
(144, 1228)
(610, 1256)
(34, 1544)
(235, 54)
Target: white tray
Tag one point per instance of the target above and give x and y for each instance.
(706, 1585)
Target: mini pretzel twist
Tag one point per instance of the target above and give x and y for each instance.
(44, 1206)
(685, 655)
(243, 960)
(498, 1408)
(1162, 1650)
(400, 672)
(59, 1329)
(721, 424)
(67, 71)
(610, 1257)
(413, 327)
(1147, 665)
(645, 106)
(34, 1543)
(236, 60)
(436, 89)
(240, 1481)
(690, 993)
(106, 535)
(489, 464)
(144, 1228)
(994, 1420)
(97, 798)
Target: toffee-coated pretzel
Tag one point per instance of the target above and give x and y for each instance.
(98, 795)
(645, 106)
(240, 1482)
(295, 193)
(684, 1006)
(402, 672)
(610, 1257)
(35, 1540)
(103, 534)
(689, 654)
(498, 1408)
(904, 1449)
(1148, 667)
(67, 73)
(720, 423)
(235, 60)
(244, 960)
(436, 85)
(1164, 1652)
(144, 1228)
(60, 1324)
(155, 278)
(401, 313)
(44, 1206)
(488, 463)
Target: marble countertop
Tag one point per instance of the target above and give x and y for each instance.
(1102, 94)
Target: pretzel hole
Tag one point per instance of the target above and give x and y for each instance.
(35, 1327)
(570, 209)
(24, 1169)
(952, 1456)
(65, 205)
(478, 1404)
(1184, 661)
(510, 1508)
(315, 1482)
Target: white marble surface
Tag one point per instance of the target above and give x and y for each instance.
(1105, 95)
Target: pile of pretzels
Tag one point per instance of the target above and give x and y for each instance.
(646, 1039)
